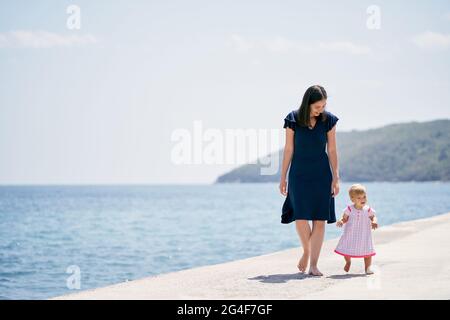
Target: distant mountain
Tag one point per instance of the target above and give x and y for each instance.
(414, 151)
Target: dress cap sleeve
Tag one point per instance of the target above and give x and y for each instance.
(346, 211)
(289, 120)
(331, 120)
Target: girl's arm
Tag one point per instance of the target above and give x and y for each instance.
(343, 220)
(373, 218)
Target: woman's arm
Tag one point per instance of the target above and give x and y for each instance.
(332, 152)
(333, 157)
(287, 157)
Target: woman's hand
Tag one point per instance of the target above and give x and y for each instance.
(335, 187)
(283, 185)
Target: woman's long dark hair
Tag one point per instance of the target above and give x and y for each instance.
(313, 94)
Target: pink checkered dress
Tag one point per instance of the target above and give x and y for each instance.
(356, 241)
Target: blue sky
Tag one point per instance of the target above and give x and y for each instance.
(99, 104)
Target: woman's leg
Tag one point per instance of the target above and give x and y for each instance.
(317, 235)
(304, 232)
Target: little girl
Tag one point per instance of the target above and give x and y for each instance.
(359, 219)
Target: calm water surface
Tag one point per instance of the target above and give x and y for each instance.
(119, 233)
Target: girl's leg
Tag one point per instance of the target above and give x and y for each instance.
(367, 263)
(317, 236)
(304, 232)
(348, 262)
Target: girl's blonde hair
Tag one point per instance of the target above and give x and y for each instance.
(356, 190)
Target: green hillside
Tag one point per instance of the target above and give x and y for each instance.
(414, 151)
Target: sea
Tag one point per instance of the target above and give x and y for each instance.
(105, 234)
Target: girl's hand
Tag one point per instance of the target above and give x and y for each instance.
(283, 187)
(335, 187)
(339, 223)
(374, 225)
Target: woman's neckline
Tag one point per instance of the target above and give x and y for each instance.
(315, 125)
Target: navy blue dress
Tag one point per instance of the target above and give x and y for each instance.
(310, 177)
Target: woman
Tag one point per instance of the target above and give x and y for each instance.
(312, 183)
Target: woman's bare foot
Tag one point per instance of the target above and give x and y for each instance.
(303, 263)
(314, 271)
